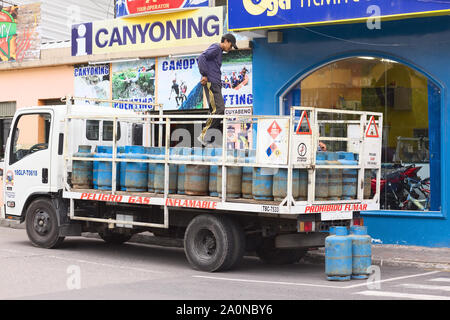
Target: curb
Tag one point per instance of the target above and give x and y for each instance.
(319, 257)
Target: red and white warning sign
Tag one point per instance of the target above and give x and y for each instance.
(274, 130)
(372, 147)
(372, 129)
(304, 127)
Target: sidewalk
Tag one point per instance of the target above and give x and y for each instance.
(400, 255)
(382, 254)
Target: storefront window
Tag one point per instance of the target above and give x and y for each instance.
(410, 104)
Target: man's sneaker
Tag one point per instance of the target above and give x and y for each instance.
(202, 141)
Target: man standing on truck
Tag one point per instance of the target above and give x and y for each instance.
(209, 64)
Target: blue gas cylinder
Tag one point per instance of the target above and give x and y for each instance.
(234, 176)
(338, 255)
(361, 252)
(212, 155)
(151, 169)
(185, 156)
(98, 149)
(321, 177)
(159, 177)
(82, 170)
(349, 176)
(104, 172)
(262, 184)
(136, 174)
(334, 177)
(247, 175)
(197, 175)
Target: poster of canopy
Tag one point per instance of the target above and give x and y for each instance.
(134, 81)
(20, 37)
(179, 85)
(237, 83)
(92, 82)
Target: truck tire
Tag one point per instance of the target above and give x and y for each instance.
(210, 243)
(240, 244)
(42, 224)
(271, 255)
(112, 237)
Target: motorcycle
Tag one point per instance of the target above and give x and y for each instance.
(394, 185)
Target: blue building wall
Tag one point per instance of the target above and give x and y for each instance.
(423, 44)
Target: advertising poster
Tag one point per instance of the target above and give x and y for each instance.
(92, 82)
(237, 84)
(134, 81)
(20, 37)
(179, 85)
(133, 7)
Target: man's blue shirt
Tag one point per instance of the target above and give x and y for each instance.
(210, 62)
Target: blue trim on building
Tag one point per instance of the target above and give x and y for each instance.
(422, 44)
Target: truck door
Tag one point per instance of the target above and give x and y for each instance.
(27, 162)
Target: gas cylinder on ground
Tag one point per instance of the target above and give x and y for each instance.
(334, 177)
(82, 171)
(247, 175)
(234, 176)
(338, 255)
(321, 177)
(197, 175)
(349, 176)
(361, 252)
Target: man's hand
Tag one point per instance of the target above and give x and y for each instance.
(204, 81)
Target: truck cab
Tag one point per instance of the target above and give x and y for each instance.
(33, 164)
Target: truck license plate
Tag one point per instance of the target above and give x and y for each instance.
(340, 215)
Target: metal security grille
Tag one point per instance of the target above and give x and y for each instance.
(7, 109)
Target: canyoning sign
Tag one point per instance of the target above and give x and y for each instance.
(193, 27)
(138, 7)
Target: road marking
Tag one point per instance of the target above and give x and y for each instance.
(440, 279)
(425, 286)
(269, 282)
(28, 254)
(390, 294)
(392, 279)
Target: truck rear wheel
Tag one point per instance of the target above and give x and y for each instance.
(268, 253)
(210, 243)
(42, 224)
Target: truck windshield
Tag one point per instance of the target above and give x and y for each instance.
(31, 134)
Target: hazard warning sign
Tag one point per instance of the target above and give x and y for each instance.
(272, 141)
(304, 127)
(372, 129)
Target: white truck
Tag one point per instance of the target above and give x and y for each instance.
(217, 231)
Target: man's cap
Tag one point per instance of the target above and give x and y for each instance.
(230, 38)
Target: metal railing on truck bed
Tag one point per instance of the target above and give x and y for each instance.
(281, 149)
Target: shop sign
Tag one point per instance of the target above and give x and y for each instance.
(92, 82)
(137, 7)
(189, 28)
(254, 14)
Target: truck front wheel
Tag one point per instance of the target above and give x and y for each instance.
(210, 243)
(42, 224)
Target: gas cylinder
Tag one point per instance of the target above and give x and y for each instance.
(262, 184)
(234, 177)
(280, 180)
(367, 183)
(82, 170)
(185, 156)
(361, 252)
(303, 185)
(212, 155)
(247, 175)
(160, 177)
(321, 177)
(334, 177)
(349, 176)
(197, 176)
(338, 255)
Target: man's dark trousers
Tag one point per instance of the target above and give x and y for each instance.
(216, 104)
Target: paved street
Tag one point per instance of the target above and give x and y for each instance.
(90, 269)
